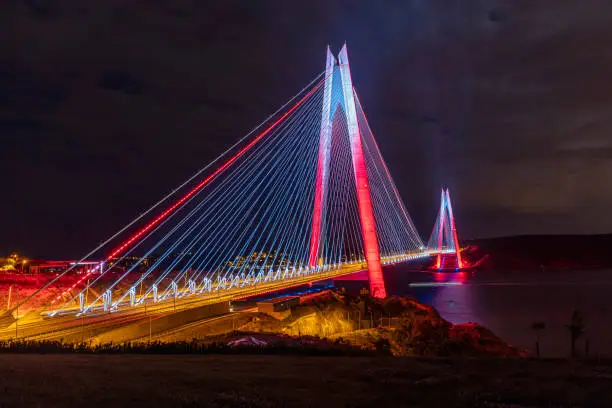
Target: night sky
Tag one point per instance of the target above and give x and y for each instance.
(106, 105)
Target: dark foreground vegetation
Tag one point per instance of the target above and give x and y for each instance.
(280, 346)
(54, 380)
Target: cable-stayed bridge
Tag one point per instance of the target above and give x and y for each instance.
(305, 196)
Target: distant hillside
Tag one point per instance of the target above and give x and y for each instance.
(544, 251)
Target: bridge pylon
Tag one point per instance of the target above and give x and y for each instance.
(444, 239)
(344, 84)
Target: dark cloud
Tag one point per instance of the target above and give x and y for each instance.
(105, 106)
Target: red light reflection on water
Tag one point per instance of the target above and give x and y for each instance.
(460, 277)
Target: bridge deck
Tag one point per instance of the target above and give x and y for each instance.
(70, 323)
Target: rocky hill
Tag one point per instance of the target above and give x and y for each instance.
(398, 326)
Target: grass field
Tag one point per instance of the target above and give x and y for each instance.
(33, 380)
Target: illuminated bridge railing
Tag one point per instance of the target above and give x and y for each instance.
(245, 286)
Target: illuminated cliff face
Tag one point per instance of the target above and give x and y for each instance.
(320, 324)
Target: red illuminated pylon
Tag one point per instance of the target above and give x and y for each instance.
(364, 197)
(446, 231)
(454, 230)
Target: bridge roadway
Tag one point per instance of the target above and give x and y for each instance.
(68, 326)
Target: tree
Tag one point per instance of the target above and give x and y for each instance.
(383, 346)
(576, 329)
(538, 327)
